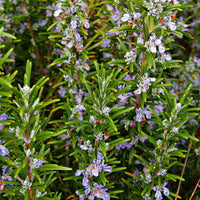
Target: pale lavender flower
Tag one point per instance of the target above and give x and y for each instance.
(158, 194)
(85, 181)
(21, 28)
(74, 23)
(58, 10)
(115, 15)
(151, 124)
(3, 117)
(125, 17)
(35, 163)
(87, 24)
(106, 43)
(3, 151)
(144, 84)
(130, 56)
(5, 175)
(62, 91)
(139, 113)
(158, 109)
(128, 77)
(100, 192)
(147, 113)
(42, 22)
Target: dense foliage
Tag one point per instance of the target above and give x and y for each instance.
(99, 99)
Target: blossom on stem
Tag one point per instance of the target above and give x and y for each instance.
(35, 163)
(3, 150)
(141, 113)
(130, 56)
(144, 84)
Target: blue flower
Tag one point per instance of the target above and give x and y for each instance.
(100, 192)
(139, 113)
(35, 163)
(3, 151)
(158, 194)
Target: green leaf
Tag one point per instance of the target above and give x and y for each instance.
(117, 62)
(19, 168)
(118, 141)
(81, 17)
(72, 178)
(118, 169)
(146, 34)
(122, 28)
(186, 136)
(185, 94)
(45, 104)
(123, 46)
(168, 98)
(8, 35)
(103, 178)
(141, 159)
(121, 112)
(110, 121)
(103, 148)
(2, 60)
(53, 167)
(27, 76)
(50, 27)
(9, 161)
(48, 134)
(151, 22)
(174, 177)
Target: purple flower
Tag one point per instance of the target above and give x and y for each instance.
(85, 182)
(87, 24)
(35, 163)
(3, 117)
(5, 174)
(42, 23)
(158, 194)
(151, 123)
(123, 145)
(147, 113)
(3, 151)
(62, 91)
(63, 137)
(128, 77)
(79, 172)
(118, 146)
(80, 108)
(165, 190)
(48, 13)
(87, 190)
(74, 23)
(100, 156)
(58, 10)
(106, 43)
(21, 28)
(107, 168)
(100, 192)
(139, 114)
(78, 37)
(158, 109)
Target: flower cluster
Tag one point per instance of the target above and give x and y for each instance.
(144, 84)
(96, 167)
